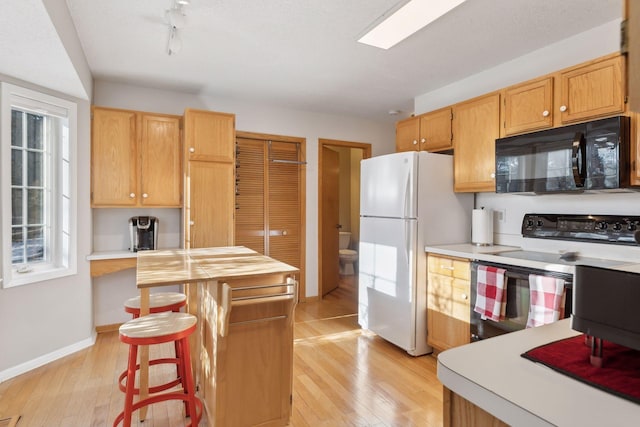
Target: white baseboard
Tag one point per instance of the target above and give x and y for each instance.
(47, 358)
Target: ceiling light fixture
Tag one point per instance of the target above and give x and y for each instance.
(405, 19)
(176, 19)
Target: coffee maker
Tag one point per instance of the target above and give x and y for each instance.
(143, 231)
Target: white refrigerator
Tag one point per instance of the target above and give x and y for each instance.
(406, 203)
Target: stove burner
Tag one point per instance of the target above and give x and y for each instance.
(611, 229)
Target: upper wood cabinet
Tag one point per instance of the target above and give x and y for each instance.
(584, 92)
(209, 135)
(136, 159)
(594, 89)
(528, 106)
(476, 125)
(408, 134)
(426, 132)
(631, 14)
(435, 130)
(210, 169)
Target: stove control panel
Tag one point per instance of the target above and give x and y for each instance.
(617, 229)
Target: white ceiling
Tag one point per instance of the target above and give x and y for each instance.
(303, 54)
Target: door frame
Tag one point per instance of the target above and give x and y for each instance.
(302, 196)
(322, 142)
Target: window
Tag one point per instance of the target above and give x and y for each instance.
(37, 186)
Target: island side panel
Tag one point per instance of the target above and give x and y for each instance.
(459, 412)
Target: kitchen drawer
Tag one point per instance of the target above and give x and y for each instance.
(453, 267)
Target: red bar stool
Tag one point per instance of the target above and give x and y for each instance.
(159, 328)
(163, 301)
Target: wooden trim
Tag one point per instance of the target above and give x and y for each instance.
(366, 153)
(263, 136)
(100, 267)
(108, 328)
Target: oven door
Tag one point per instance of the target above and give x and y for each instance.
(517, 309)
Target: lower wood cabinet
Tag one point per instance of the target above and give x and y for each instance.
(448, 302)
(245, 371)
(459, 412)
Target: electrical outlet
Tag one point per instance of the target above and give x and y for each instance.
(501, 215)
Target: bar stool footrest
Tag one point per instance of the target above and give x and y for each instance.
(155, 389)
(161, 398)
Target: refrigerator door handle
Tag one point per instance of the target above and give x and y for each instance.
(407, 197)
(407, 241)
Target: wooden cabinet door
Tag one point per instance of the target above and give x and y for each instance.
(593, 90)
(114, 155)
(209, 135)
(210, 204)
(448, 307)
(160, 161)
(635, 149)
(476, 126)
(407, 134)
(435, 130)
(528, 106)
(439, 308)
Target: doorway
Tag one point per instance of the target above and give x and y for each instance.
(339, 210)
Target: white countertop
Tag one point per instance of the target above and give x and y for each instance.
(492, 375)
(493, 254)
(101, 255)
(111, 255)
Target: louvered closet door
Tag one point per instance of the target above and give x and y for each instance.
(268, 216)
(250, 191)
(284, 203)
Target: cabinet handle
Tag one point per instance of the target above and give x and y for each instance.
(493, 175)
(284, 232)
(446, 267)
(192, 149)
(423, 140)
(145, 195)
(545, 113)
(563, 108)
(464, 296)
(415, 142)
(192, 222)
(132, 195)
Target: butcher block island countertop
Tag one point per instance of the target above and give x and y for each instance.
(242, 353)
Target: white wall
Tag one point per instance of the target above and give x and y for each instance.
(252, 117)
(43, 321)
(111, 233)
(599, 41)
(591, 44)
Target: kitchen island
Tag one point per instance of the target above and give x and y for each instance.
(242, 353)
(490, 379)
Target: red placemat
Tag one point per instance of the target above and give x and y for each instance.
(619, 374)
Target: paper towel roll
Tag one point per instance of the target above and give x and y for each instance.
(482, 227)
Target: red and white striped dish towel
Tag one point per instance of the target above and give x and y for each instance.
(547, 297)
(491, 294)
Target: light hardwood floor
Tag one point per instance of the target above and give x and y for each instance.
(343, 376)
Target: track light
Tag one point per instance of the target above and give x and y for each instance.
(176, 20)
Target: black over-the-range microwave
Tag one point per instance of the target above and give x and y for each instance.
(585, 156)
